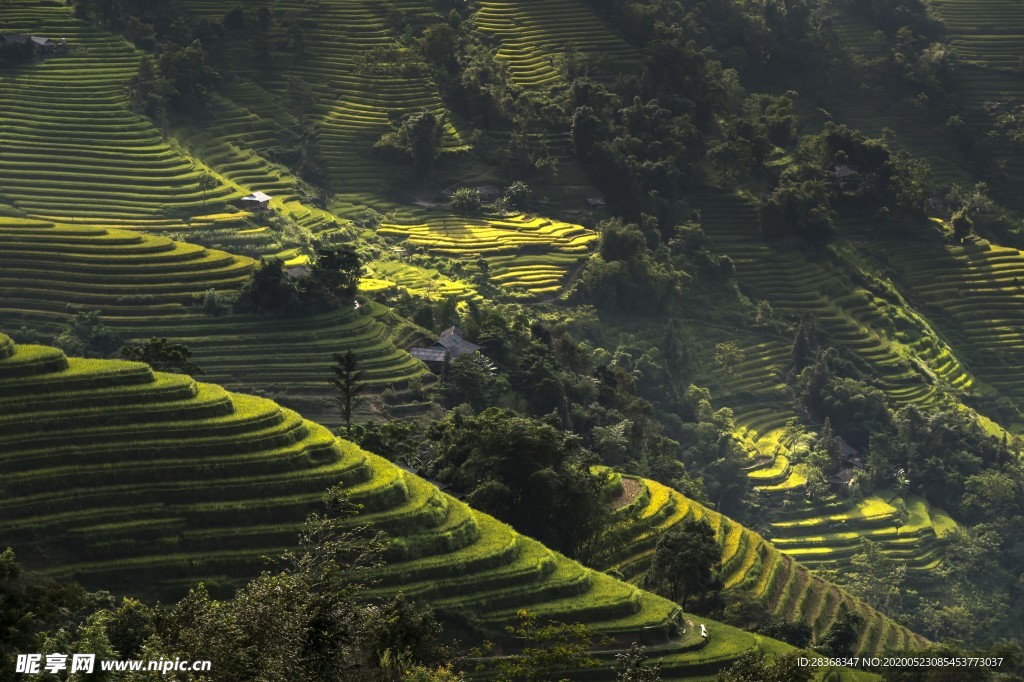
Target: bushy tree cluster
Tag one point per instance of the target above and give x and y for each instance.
(87, 335)
(525, 472)
(627, 276)
(332, 281)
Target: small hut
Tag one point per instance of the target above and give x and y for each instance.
(257, 201)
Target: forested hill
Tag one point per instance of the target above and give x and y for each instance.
(765, 255)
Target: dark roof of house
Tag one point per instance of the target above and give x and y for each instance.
(299, 271)
(432, 354)
(14, 38)
(451, 339)
(844, 477)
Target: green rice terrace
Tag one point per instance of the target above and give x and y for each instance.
(113, 474)
(79, 150)
(535, 37)
(972, 293)
(146, 286)
(750, 566)
(761, 261)
(126, 173)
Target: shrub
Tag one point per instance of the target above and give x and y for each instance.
(216, 303)
(466, 200)
(518, 195)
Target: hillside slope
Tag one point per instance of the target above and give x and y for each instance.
(144, 483)
(750, 567)
(146, 286)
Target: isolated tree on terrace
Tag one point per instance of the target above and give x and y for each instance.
(418, 138)
(87, 335)
(337, 272)
(727, 356)
(633, 666)
(206, 182)
(163, 356)
(685, 560)
(549, 648)
(347, 381)
(962, 225)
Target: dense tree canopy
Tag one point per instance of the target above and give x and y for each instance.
(525, 472)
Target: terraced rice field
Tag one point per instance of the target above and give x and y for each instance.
(832, 534)
(144, 483)
(525, 254)
(235, 144)
(750, 566)
(985, 32)
(534, 36)
(914, 365)
(974, 293)
(69, 145)
(354, 105)
(989, 37)
(420, 281)
(144, 286)
(852, 316)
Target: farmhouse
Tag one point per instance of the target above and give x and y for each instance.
(451, 339)
(257, 201)
(433, 357)
(843, 481)
(298, 272)
(451, 345)
(44, 45)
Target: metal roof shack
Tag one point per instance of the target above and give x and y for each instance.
(843, 480)
(431, 354)
(256, 201)
(44, 44)
(451, 339)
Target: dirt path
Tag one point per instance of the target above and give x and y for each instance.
(630, 489)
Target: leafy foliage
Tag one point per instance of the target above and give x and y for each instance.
(524, 472)
(548, 650)
(86, 334)
(417, 139)
(685, 560)
(162, 355)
